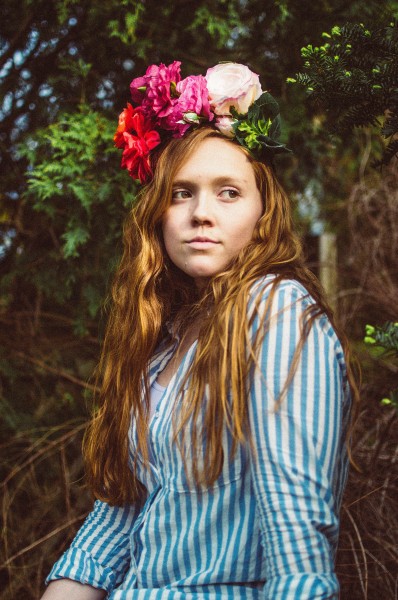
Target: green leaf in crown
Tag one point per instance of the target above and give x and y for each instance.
(260, 128)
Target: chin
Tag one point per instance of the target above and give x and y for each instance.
(204, 271)
(205, 274)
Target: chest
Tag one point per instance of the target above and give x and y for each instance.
(172, 458)
(175, 359)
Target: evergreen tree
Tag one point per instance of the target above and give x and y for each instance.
(353, 76)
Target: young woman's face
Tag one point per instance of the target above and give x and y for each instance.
(214, 210)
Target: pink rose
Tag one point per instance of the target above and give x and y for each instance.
(232, 84)
(191, 107)
(224, 125)
(157, 95)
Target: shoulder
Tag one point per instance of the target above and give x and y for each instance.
(282, 293)
(286, 305)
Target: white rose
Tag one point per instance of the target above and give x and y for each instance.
(232, 84)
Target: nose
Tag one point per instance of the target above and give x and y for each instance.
(202, 209)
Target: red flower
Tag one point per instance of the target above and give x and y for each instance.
(135, 134)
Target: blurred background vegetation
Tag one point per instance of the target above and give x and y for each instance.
(65, 68)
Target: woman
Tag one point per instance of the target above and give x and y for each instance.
(218, 454)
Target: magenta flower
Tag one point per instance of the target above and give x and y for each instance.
(191, 107)
(155, 92)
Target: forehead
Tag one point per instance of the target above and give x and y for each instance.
(214, 157)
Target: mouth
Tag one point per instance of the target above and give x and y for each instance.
(201, 238)
(201, 242)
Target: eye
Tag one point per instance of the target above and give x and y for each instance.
(181, 194)
(229, 194)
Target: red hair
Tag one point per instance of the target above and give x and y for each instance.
(148, 291)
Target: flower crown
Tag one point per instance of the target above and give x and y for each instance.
(165, 106)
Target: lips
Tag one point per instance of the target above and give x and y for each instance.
(202, 239)
(201, 243)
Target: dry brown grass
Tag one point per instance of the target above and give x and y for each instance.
(43, 500)
(368, 555)
(367, 560)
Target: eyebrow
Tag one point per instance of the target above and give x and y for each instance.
(221, 180)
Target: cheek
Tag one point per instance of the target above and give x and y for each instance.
(170, 234)
(166, 237)
(257, 215)
(244, 230)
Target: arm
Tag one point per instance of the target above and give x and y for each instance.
(299, 460)
(99, 555)
(66, 588)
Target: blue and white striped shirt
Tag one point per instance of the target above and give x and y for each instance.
(268, 528)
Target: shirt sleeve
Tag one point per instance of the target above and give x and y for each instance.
(299, 461)
(100, 553)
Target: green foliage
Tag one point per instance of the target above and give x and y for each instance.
(392, 401)
(385, 337)
(354, 77)
(260, 130)
(83, 206)
(218, 26)
(127, 31)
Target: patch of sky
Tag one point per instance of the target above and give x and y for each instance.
(271, 55)
(20, 150)
(107, 104)
(32, 40)
(21, 92)
(72, 50)
(6, 241)
(108, 85)
(21, 124)
(308, 207)
(4, 46)
(19, 58)
(45, 90)
(128, 64)
(105, 89)
(6, 105)
(48, 45)
(235, 33)
(6, 68)
(31, 144)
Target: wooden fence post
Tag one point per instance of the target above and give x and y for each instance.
(328, 266)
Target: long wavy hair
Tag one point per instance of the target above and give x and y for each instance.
(149, 291)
